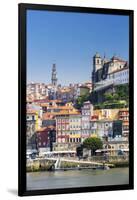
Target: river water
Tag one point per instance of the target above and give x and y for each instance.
(77, 178)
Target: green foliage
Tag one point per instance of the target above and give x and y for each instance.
(111, 97)
(108, 97)
(93, 144)
(119, 98)
(121, 92)
(81, 100)
(113, 105)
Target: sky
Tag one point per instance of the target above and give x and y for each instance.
(71, 40)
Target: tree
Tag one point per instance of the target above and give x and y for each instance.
(81, 100)
(108, 96)
(93, 144)
(122, 91)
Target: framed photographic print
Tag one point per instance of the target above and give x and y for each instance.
(75, 99)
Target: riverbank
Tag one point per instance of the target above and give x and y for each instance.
(120, 164)
(44, 165)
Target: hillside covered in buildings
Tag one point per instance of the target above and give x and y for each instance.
(62, 117)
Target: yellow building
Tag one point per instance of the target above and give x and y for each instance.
(109, 114)
(75, 128)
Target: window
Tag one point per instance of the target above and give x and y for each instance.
(97, 61)
(121, 146)
(59, 127)
(63, 127)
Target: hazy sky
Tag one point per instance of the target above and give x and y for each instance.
(70, 40)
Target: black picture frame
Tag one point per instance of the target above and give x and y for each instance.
(22, 98)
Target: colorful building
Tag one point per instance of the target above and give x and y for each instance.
(124, 116)
(46, 138)
(42, 139)
(106, 128)
(68, 129)
(86, 114)
(109, 114)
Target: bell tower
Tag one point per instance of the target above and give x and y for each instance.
(97, 62)
(54, 75)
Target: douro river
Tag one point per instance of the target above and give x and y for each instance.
(77, 178)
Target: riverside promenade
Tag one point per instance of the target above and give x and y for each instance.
(44, 164)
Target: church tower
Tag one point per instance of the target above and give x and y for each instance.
(97, 62)
(54, 75)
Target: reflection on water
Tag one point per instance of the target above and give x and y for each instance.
(79, 178)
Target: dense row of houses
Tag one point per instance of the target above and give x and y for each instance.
(37, 91)
(72, 126)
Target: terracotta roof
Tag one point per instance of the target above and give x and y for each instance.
(44, 104)
(48, 115)
(62, 112)
(42, 129)
(31, 112)
(56, 100)
(61, 107)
